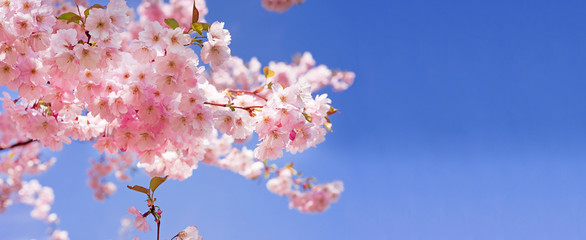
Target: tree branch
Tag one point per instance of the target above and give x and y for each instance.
(18, 144)
(253, 93)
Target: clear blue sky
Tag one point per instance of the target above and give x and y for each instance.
(474, 128)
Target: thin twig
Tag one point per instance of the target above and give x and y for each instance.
(158, 227)
(18, 144)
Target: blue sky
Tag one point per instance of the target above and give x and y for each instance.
(467, 120)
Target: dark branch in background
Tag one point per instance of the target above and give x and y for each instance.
(18, 144)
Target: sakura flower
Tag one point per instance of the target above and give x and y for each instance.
(224, 121)
(152, 36)
(106, 144)
(23, 24)
(242, 128)
(145, 140)
(139, 222)
(119, 14)
(67, 63)
(63, 40)
(268, 151)
(8, 75)
(27, 5)
(39, 41)
(203, 120)
(44, 18)
(32, 70)
(253, 171)
(176, 40)
(98, 23)
(170, 64)
(189, 233)
(215, 54)
(59, 235)
(8, 54)
(318, 199)
(342, 80)
(89, 57)
(150, 113)
(190, 100)
(279, 5)
(282, 184)
(217, 33)
(43, 127)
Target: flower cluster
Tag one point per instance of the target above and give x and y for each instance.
(246, 76)
(279, 5)
(41, 197)
(318, 199)
(23, 159)
(310, 198)
(180, 10)
(117, 163)
(137, 88)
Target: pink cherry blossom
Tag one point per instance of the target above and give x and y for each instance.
(140, 221)
(59, 235)
(215, 54)
(279, 5)
(135, 85)
(98, 23)
(217, 33)
(189, 233)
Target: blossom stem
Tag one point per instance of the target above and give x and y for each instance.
(78, 11)
(158, 228)
(18, 144)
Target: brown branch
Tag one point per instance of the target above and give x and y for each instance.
(249, 109)
(18, 144)
(228, 106)
(253, 93)
(158, 228)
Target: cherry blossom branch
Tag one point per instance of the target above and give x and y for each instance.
(229, 105)
(253, 93)
(18, 144)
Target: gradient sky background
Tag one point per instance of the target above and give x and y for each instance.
(467, 120)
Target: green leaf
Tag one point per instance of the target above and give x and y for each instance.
(200, 27)
(66, 16)
(195, 14)
(205, 26)
(87, 11)
(197, 28)
(75, 19)
(268, 72)
(156, 181)
(139, 189)
(172, 23)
